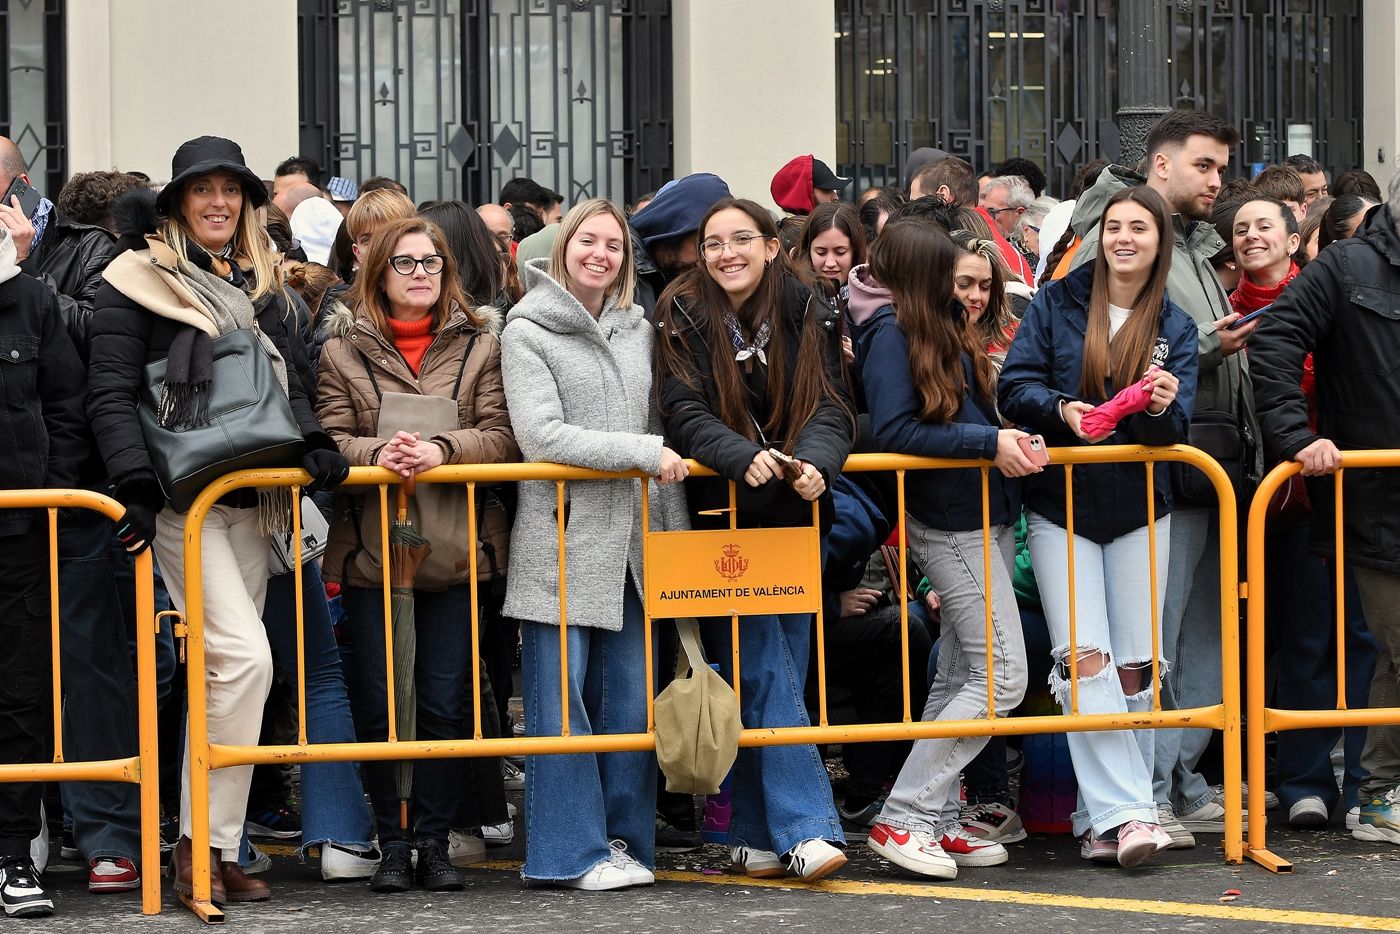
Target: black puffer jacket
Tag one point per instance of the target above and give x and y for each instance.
(1344, 307)
(694, 429)
(70, 260)
(125, 338)
(42, 429)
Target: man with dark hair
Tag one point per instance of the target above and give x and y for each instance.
(1282, 183)
(87, 197)
(1187, 154)
(1313, 174)
(1032, 173)
(293, 171)
(663, 232)
(382, 182)
(531, 194)
(953, 180)
(805, 182)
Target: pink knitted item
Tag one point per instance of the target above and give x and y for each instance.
(1102, 419)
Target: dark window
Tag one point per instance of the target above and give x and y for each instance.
(33, 106)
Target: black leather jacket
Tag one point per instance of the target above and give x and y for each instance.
(70, 260)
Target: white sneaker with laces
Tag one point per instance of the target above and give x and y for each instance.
(513, 778)
(605, 876)
(637, 874)
(341, 863)
(756, 863)
(258, 861)
(502, 834)
(1181, 837)
(814, 859)
(465, 847)
(21, 895)
(917, 851)
(1354, 818)
(993, 821)
(1308, 812)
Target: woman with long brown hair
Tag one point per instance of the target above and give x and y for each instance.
(748, 364)
(1105, 327)
(932, 393)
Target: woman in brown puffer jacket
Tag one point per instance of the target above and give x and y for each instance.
(391, 372)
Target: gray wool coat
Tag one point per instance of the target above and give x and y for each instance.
(579, 392)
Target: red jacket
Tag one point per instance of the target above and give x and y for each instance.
(1013, 256)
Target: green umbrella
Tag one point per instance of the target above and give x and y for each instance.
(407, 552)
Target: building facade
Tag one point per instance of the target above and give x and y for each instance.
(614, 97)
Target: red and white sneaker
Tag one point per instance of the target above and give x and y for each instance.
(1139, 841)
(1098, 849)
(113, 874)
(967, 850)
(914, 850)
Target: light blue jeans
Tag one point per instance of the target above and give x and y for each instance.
(1113, 613)
(925, 795)
(781, 794)
(576, 804)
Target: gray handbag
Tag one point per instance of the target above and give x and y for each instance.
(250, 422)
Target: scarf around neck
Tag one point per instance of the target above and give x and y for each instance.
(746, 349)
(1249, 297)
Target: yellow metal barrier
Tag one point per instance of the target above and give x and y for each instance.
(206, 756)
(1264, 720)
(143, 768)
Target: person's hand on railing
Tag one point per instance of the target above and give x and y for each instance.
(674, 468)
(1010, 459)
(328, 469)
(1319, 458)
(136, 529)
(809, 484)
(408, 454)
(763, 468)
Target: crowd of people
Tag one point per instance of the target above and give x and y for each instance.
(954, 316)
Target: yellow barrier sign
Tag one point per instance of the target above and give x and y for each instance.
(744, 571)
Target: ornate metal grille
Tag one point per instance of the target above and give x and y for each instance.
(33, 106)
(989, 79)
(456, 97)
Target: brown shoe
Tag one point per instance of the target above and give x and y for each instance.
(242, 887)
(182, 872)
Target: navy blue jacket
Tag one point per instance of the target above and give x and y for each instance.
(1043, 368)
(946, 499)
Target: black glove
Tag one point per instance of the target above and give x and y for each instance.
(328, 469)
(136, 529)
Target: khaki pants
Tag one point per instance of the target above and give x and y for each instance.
(238, 661)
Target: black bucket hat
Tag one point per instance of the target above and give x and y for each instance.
(210, 154)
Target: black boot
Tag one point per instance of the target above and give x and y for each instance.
(395, 872)
(435, 873)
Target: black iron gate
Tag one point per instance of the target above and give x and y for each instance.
(32, 102)
(455, 97)
(990, 79)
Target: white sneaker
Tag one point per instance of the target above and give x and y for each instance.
(1208, 818)
(1354, 818)
(915, 850)
(513, 778)
(814, 859)
(502, 834)
(637, 874)
(258, 861)
(1181, 837)
(340, 863)
(465, 848)
(993, 821)
(1308, 812)
(605, 876)
(755, 863)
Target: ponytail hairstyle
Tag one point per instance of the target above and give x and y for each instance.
(1128, 356)
(994, 325)
(915, 261)
(797, 391)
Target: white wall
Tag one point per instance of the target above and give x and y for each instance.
(755, 85)
(1381, 101)
(146, 75)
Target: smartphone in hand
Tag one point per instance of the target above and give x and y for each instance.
(792, 470)
(1033, 446)
(28, 196)
(1248, 318)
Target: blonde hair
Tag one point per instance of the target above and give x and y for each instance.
(624, 289)
(250, 244)
(374, 208)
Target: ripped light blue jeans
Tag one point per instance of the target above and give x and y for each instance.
(1113, 614)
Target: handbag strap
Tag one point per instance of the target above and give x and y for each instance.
(456, 386)
(691, 655)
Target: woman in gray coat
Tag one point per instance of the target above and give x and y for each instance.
(576, 361)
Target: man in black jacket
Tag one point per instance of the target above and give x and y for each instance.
(99, 709)
(42, 385)
(1344, 308)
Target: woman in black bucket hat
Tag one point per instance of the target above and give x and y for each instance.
(197, 266)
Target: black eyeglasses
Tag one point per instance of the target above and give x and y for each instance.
(404, 265)
(996, 212)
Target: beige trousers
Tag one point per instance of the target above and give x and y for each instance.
(238, 661)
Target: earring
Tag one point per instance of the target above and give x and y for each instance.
(767, 263)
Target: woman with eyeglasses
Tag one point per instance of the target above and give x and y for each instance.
(410, 380)
(749, 374)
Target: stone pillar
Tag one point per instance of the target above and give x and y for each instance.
(1144, 45)
(1380, 132)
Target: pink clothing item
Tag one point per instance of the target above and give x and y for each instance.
(1102, 419)
(867, 295)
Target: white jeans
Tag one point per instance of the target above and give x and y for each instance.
(238, 661)
(1113, 615)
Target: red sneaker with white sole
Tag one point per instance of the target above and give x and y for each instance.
(113, 874)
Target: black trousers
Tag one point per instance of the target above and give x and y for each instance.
(25, 663)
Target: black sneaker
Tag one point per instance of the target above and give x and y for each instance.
(278, 824)
(435, 873)
(856, 824)
(672, 839)
(395, 872)
(20, 892)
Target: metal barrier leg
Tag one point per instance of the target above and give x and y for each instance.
(147, 741)
(197, 734)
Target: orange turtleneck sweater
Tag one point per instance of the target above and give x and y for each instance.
(412, 339)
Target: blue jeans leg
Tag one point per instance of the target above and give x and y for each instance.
(124, 571)
(332, 798)
(575, 804)
(440, 669)
(781, 794)
(99, 689)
